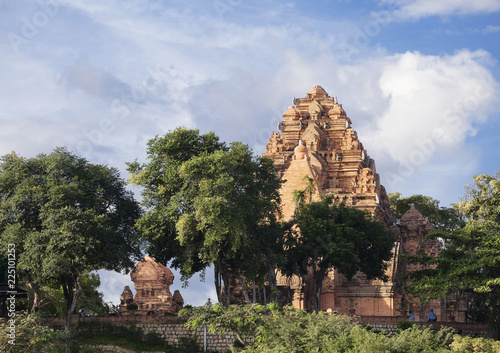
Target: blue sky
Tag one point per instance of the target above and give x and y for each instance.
(418, 78)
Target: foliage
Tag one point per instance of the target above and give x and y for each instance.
(275, 329)
(479, 345)
(405, 325)
(470, 260)
(444, 218)
(132, 306)
(33, 335)
(59, 210)
(51, 297)
(208, 203)
(416, 339)
(333, 235)
(242, 320)
(291, 330)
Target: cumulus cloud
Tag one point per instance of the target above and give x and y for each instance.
(431, 107)
(432, 98)
(416, 9)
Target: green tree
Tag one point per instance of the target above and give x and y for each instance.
(445, 218)
(66, 217)
(470, 259)
(333, 235)
(207, 203)
(51, 297)
(161, 182)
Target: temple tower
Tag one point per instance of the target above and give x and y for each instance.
(316, 140)
(331, 154)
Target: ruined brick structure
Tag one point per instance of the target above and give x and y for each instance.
(316, 140)
(152, 282)
(411, 232)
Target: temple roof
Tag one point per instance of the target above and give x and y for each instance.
(150, 270)
(317, 92)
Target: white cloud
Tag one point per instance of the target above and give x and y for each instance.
(431, 108)
(432, 100)
(416, 9)
(490, 29)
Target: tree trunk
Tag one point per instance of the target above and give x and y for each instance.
(254, 293)
(227, 289)
(317, 282)
(72, 305)
(244, 287)
(218, 280)
(36, 297)
(273, 286)
(67, 285)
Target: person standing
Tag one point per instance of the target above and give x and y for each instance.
(411, 317)
(432, 316)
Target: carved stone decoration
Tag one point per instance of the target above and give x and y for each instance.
(312, 136)
(315, 110)
(275, 143)
(350, 140)
(127, 296)
(317, 92)
(336, 112)
(152, 282)
(291, 114)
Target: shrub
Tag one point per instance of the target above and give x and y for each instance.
(468, 345)
(33, 335)
(132, 306)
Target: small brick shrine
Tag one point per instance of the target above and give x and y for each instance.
(152, 282)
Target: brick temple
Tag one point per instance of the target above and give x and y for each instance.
(152, 282)
(316, 140)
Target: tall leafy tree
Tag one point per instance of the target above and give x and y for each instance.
(470, 259)
(66, 217)
(161, 182)
(206, 203)
(333, 235)
(445, 218)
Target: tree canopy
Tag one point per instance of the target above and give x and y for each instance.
(470, 259)
(66, 217)
(207, 203)
(445, 218)
(333, 235)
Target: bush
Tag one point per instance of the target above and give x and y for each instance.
(132, 306)
(416, 339)
(94, 332)
(468, 345)
(189, 344)
(404, 325)
(33, 335)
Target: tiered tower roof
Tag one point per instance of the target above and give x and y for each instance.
(332, 155)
